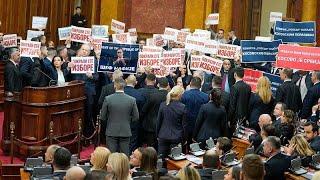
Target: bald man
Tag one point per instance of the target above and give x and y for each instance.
(75, 173)
(264, 119)
(50, 153)
(256, 139)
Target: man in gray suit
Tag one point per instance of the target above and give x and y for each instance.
(119, 109)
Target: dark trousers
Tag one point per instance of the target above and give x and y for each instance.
(150, 139)
(89, 120)
(166, 145)
(118, 144)
(134, 139)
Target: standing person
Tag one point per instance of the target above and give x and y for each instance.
(312, 96)
(12, 75)
(220, 37)
(171, 122)
(78, 19)
(227, 76)
(119, 110)
(233, 38)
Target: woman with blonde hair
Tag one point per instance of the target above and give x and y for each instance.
(99, 160)
(188, 173)
(118, 165)
(171, 121)
(261, 102)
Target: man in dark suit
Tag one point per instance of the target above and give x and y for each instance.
(26, 68)
(135, 126)
(312, 135)
(47, 62)
(211, 162)
(227, 76)
(149, 88)
(12, 76)
(303, 80)
(119, 110)
(277, 163)
(61, 163)
(239, 99)
(74, 173)
(233, 38)
(312, 96)
(150, 110)
(288, 92)
(252, 168)
(78, 19)
(225, 97)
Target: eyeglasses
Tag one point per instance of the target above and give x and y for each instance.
(119, 52)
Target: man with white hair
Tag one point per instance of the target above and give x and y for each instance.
(75, 173)
(12, 76)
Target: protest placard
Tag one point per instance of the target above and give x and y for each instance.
(200, 33)
(172, 59)
(123, 38)
(182, 52)
(211, 65)
(195, 43)
(117, 26)
(298, 57)
(82, 65)
(39, 22)
(170, 34)
(259, 51)
(210, 47)
(227, 51)
(262, 38)
(152, 49)
(213, 19)
(29, 48)
(133, 34)
(158, 40)
(64, 33)
(96, 42)
(152, 59)
(100, 30)
(195, 62)
(31, 34)
(119, 56)
(80, 34)
(181, 37)
(185, 30)
(295, 32)
(150, 42)
(275, 16)
(161, 72)
(9, 40)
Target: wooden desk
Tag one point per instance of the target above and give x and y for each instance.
(177, 165)
(240, 146)
(24, 175)
(290, 176)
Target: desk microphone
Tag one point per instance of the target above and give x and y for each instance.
(52, 82)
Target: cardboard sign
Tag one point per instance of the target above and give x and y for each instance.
(152, 49)
(82, 65)
(295, 32)
(227, 51)
(200, 33)
(39, 22)
(64, 33)
(262, 38)
(149, 42)
(133, 34)
(195, 62)
(96, 42)
(152, 59)
(29, 48)
(298, 57)
(170, 34)
(117, 26)
(185, 30)
(9, 40)
(158, 40)
(122, 38)
(172, 59)
(211, 65)
(213, 19)
(80, 34)
(182, 36)
(31, 34)
(194, 43)
(182, 52)
(275, 16)
(100, 30)
(210, 47)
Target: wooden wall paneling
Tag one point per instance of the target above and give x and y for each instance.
(294, 9)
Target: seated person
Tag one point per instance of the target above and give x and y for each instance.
(61, 163)
(223, 146)
(211, 162)
(256, 139)
(99, 159)
(135, 159)
(266, 131)
(75, 173)
(233, 173)
(252, 168)
(118, 166)
(311, 134)
(58, 73)
(188, 173)
(277, 163)
(299, 147)
(286, 127)
(48, 156)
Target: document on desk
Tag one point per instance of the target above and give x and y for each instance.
(194, 159)
(308, 175)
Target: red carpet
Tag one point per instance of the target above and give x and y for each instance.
(84, 154)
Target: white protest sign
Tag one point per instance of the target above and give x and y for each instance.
(80, 34)
(134, 35)
(182, 52)
(122, 38)
(194, 43)
(31, 34)
(117, 26)
(29, 48)
(211, 65)
(82, 65)
(9, 40)
(170, 34)
(158, 40)
(64, 33)
(185, 30)
(172, 59)
(100, 30)
(152, 59)
(150, 42)
(195, 62)
(200, 33)
(275, 16)
(96, 42)
(213, 19)
(181, 36)
(152, 49)
(227, 51)
(210, 47)
(161, 72)
(262, 38)
(39, 22)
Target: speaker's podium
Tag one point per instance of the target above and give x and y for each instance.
(40, 112)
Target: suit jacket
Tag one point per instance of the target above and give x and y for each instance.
(276, 166)
(171, 121)
(289, 94)
(12, 78)
(211, 122)
(225, 98)
(147, 90)
(315, 144)
(239, 101)
(26, 68)
(150, 110)
(235, 42)
(39, 79)
(119, 110)
(308, 81)
(90, 84)
(48, 67)
(106, 91)
(310, 100)
(206, 174)
(137, 95)
(54, 74)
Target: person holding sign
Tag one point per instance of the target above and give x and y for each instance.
(78, 19)
(220, 37)
(12, 76)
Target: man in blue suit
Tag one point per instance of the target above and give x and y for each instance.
(312, 96)
(47, 62)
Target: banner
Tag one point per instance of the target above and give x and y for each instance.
(170, 34)
(182, 52)
(122, 38)
(31, 34)
(152, 49)
(149, 42)
(227, 51)
(172, 59)
(200, 33)
(195, 43)
(39, 22)
(9, 40)
(213, 19)
(298, 57)
(133, 34)
(158, 40)
(152, 59)
(182, 36)
(96, 43)
(80, 34)
(64, 33)
(100, 30)
(259, 51)
(262, 38)
(82, 65)
(185, 30)
(295, 32)
(119, 56)
(210, 47)
(117, 26)
(29, 48)
(275, 16)
(195, 62)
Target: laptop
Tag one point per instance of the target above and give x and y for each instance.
(195, 149)
(176, 154)
(296, 167)
(210, 143)
(229, 159)
(315, 163)
(32, 162)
